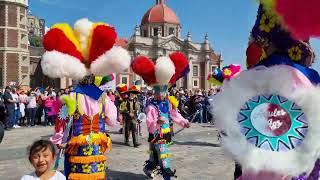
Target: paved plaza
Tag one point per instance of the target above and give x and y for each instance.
(196, 155)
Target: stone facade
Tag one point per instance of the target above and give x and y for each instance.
(155, 38)
(36, 26)
(14, 53)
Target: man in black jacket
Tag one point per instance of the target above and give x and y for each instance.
(9, 108)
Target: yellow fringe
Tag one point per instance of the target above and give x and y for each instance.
(109, 145)
(166, 130)
(87, 159)
(174, 102)
(95, 176)
(163, 156)
(96, 139)
(100, 139)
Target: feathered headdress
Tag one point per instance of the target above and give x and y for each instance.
(165, 71)
(100, 81)
(227, 72)
(270, 112)
(122, 88)
(86, 49)
(300, 18)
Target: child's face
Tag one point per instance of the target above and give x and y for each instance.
(42, 160)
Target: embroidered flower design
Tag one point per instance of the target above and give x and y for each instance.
(164, 163)
(227, 72)
(267, 22)
(86, 168)
(295, 53)
(161, 149)
(76, 116)
(73, 168)
(101, 167)
(263, 54)
(88, 151)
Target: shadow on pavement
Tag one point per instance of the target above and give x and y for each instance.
(114, 132)
(46, 137)
(118, 175)
(117, 143)
(190, 143)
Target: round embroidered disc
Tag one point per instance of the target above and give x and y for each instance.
(273, 123)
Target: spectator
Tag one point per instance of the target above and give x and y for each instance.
(41, 155)
(48, 103)
(199, 107)
(40, 105)
(17, 114)
(22, 105)
(31, 108)
(2, 109)
(9, 108)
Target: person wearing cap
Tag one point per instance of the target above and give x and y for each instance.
(161, 111)
(129, 109)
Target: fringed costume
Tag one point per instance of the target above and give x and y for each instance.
(162, 110)
(268, 116)
(83, 53)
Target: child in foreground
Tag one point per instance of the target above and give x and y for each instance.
(41, 155)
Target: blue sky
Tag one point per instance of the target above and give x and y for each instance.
(227, 22)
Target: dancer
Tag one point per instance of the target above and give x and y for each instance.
(268, 115)
(82, 53)
(160, 112)
(129, 109)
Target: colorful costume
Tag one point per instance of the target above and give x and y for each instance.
(129, 109)
(86, 50)
(268, 116)
(161, 111)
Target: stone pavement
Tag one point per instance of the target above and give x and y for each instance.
(195, 154)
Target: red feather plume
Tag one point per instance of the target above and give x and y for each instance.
(55, 39)
(182, 66)
(254, 52)
(103, 39)
(301, 17)
(145, 68)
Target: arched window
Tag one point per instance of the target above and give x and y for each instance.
(155, 31)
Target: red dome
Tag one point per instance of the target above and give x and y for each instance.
(160, 13)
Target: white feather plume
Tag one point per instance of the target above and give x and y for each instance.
(57, 65)
(164, 70)
(115, 60)
(82, 29)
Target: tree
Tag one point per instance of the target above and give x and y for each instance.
(35, 41)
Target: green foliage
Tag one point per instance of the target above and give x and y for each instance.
(35, 41)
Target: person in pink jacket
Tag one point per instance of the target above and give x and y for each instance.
(162, 110)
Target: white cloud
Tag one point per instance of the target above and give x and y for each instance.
(49, 2)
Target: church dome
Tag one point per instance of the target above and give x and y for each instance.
(160, 13)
